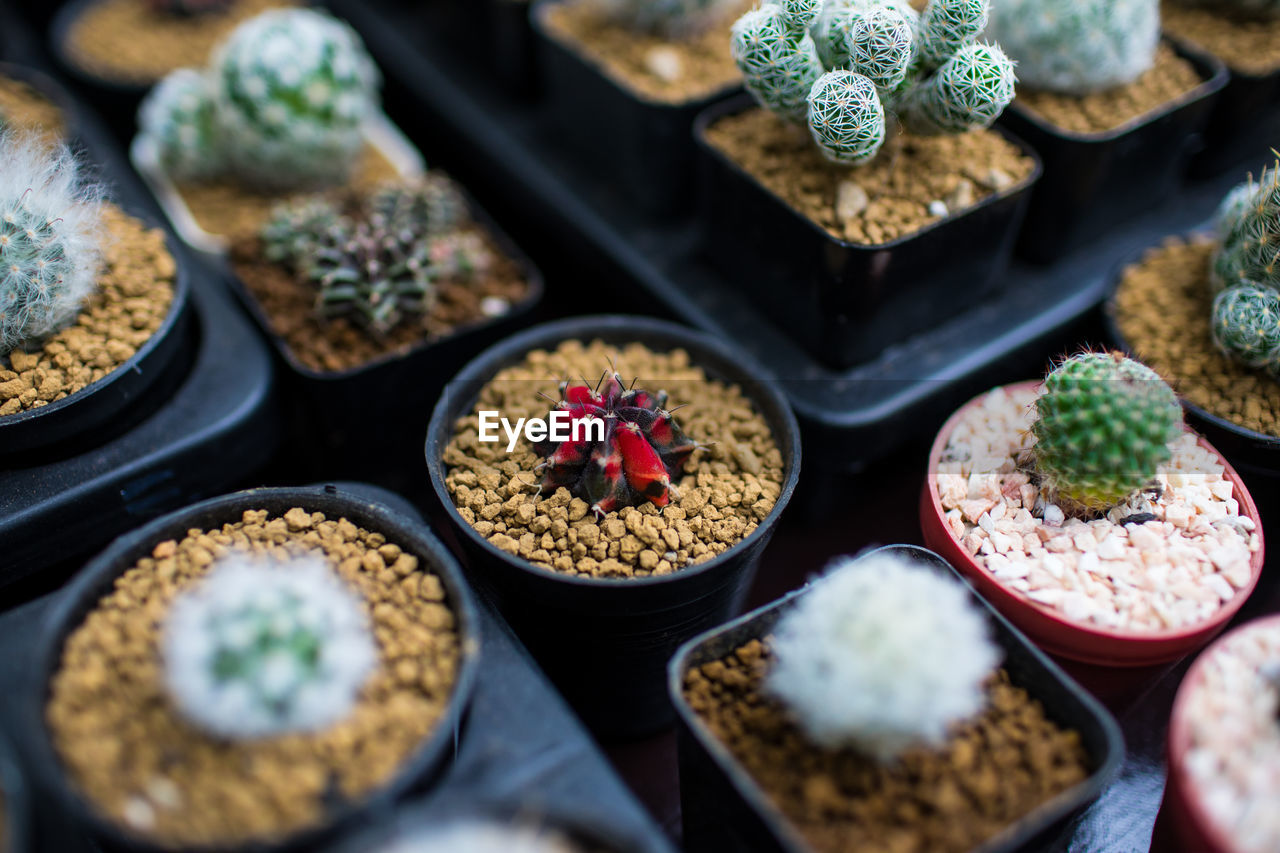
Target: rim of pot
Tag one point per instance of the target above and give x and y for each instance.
(98, 577)
(1210, 625)
(629, 329)
(1179, 737)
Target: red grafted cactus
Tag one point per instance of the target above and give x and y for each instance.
(624, 447)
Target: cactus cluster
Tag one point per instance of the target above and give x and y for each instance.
(666, 18)
(282, 104)
(625, 448)
(1078, 46)
(50, 240)
(259, 650)
(1102, 428)
(1245, 272)
(845, 67)
(882, 655)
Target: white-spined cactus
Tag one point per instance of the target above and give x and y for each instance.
(178, 115)
(666, 18)
(1246, 326)
(50, 239)
(1250, 227)
(883, 655)
(1078, 46)
(261, 649)
(928, 70)
(1233, 207)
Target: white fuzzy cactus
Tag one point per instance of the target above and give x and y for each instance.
(259, 649)
(178, 116)
(882, 655)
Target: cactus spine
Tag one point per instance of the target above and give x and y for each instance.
(778, 58)
(1250, 250)
(1246, 326)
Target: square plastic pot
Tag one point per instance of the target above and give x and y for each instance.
(844, 302)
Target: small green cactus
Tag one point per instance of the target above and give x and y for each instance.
(846, 117)
(292, 229)
(970, 90)
(1250, 250)
(178, 115)
(1246, 326)
(377, 278)
(50, 240)
(1103, 426)
(777, 56)
(1078, 46)
(667, 18)
(430, 204)
(946, 26)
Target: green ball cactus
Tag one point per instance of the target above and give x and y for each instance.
(946, 26)
(178, 116)
(1235, 204)
(970, 90)
(1250, 250)
(1103, 426)
(846, 117)
(430, 204)
(832, 30)
(667, 18)
(881, 44)
(1246, 326)
(1078, 46)
(778, 58)
(293, 229)
(50, 243)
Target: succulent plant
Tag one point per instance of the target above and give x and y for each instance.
(624, 448)
(376, 277)
(1250, 228)
(50, 240)
(294, 228)
(1078, 46)
(258, 650)
(1235, 204)
(1246, 326)
(882, 655)
(178, 116)
(188, 8)
(1103, 426)
(847, 67)
(423, 206)
(667, 18)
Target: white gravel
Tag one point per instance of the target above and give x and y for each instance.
(1172, 571)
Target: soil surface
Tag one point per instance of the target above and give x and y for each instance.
(994, 770)
(1250, 47)
(135, 290)
(726, 490)
(144, 767)
(1163, 308)
(1155, 91)
(910, 175)
(24, 108)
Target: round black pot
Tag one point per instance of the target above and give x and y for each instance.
(14, 805)
(115, 100)
(97, 578)
(724, 809)
(605, 643)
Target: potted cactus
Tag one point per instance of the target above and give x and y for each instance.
(1112, 110)
(850, 714)
(867, 156)
(645, 68)
(1087, 512)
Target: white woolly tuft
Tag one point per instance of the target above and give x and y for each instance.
(480, 836)
(260, 649)
(882, 655)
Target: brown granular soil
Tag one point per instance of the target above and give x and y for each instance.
(993, 771)
(1156, 90)
(727, 487)
(144, 767)
(910, 174)
(135, 290)
(24, 108)
(1163, 307)
(337, 344)
(625, 56)
(125, 41)
(1249, 47)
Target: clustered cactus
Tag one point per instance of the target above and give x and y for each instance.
(1103, 427)
(282, 104)
(259, 650)
(50, 252)
(632, 459)
(377, 258)
(1245, 272)
(666, 18)
(1078, 46)
(883, 655)
(842, 66)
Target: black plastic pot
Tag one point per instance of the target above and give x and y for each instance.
(98, 577)
(605, 642)
(843, 302)
(724, 809)
(640, 148)
(500, 37)
(14, 803)
(1094, 182)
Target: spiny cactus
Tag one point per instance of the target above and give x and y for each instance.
(188, 8)
(1078, 46)
(624, 449)
(1250, 250)
(259, 650)
(1246, 326)
(293, 228)
(178, 116)
(925, 69)
(422, 206)
(1235, 204)
(667, 18)
(883, 655)
(50, 252)
(1103, 426)
(377, 278)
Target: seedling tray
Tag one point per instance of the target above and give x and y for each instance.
(520, 745)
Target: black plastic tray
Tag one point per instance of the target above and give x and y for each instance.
(520, 745)
(725, 809)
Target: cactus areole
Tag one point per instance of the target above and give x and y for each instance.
(642, 450)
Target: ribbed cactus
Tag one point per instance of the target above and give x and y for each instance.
(1103, 426)
(260, 650)
(377, 278)
(668, 18)
(1246, 326)
(178, 116)
(1250, 250)
(1078, 46)
(50, 252)
(926, 69)
(292, 230)
(430, 204)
